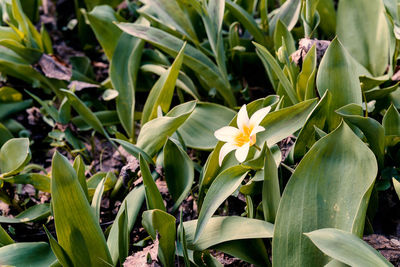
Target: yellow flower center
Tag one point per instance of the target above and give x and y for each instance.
(244, 136)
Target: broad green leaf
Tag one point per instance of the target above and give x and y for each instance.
(162, 92)
(347, 248)
(169, 13)
(306, 78)
(123, 235)
(5, 239)
(246, 20)
(79, 234)
(317, 118)
(270, 62)
(39, 181)
(223, 229)
(379, 93)
(194, 58)
(281, 32)
(152, 141)
(179, 172)
(133, 203)
(334, 181)
(102, 20)
(222, 187)
(58, 251)
(123, 74)
(96, 201)
(34, 213)
(94, 181)
(80, 169)
(5, 135)
(133, 150)
(14, 155)
(198, 130)
(391, 124)
(36, 254)
(327, 14)
(288, 13)
(9, 94)
(87, 115)
(8, 109)
(271, 193)
(337, 74)
(372, 129)
(363, 29)
(153, 197)
(158, 222)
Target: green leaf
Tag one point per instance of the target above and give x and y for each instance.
(372, 129)
(14, 155)
(338, 74)
(8, 109)
(36, 254)
(133, 150)
(5, 239)
(317, 118)
(133, 203)
(158, 222)
(306, 78)
(391, 124)
(347, 248)
(102, 20)
(179, 172)
(80, 170)
(123, 235)
(123, 74)
(9, 94)
(96, 201)
(223, 186)
(39, 181)
(5, 134)
(198, 130)
(271, 194)
(223, 229)
(34, 213)
(247, 21)
(334, 181)
(282, 32)
(107, 118)
(153, 196)
(152, 141)
(194, 58)
(162, 92)
(288, 13)
(52, 111)
(270, 62)
(363, 29)
(58, 251)
(87, 115)
(79, 234)
(94, 181)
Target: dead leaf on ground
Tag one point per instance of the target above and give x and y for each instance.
(53, 68)
(78, 85)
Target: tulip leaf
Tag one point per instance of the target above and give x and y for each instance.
(79, 234)
(158, 222)
(102, 20)
(5, 239)
(123, 235)
(363, 29)
(391, 124)
(39, 181)
(347, 248)
(162, 92)
(133, 150)
(80, 169)
(58, 251)
(271, 193)
(288, 13)
(198, 130)
(179, 172)
(34, 213)
(152, 141)
(222, 187)
(334, 181)
(194, 58)
(133, 203)
(337, 73)
(36, 254)
(96, 201)
(123, 74)
(14, 155)
(153, 197)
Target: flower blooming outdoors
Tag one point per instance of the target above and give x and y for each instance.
(243, 137)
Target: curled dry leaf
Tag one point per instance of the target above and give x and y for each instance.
(53, 68)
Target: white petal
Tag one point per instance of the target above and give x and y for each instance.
(242, 117)
(225, 149)
(241, 152)
(256, 130)
(259, 115)
(226, 134)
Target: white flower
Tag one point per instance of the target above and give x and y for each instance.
(243, 138)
